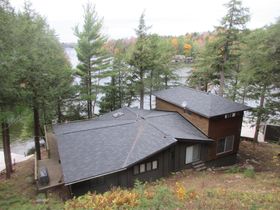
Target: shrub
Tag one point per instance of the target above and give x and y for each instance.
(250, 173)
(234, 170)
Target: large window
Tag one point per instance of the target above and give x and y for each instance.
(225, 144)
(192, 153)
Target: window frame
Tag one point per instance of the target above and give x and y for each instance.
(153, 165)
(150, 169)
(144, 169)
(193, 148)
(138, 170)
(226, 139)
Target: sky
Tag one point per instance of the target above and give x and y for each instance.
(167, 17)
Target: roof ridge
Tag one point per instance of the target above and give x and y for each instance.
(165, 114)
(139, 132)
(195, 90)
(110, 126)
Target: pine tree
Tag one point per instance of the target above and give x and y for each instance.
(44, 68)
(8, 77)
(228, 35)
(92, 56)
(140, 59)
(119, 91)
(260, 73)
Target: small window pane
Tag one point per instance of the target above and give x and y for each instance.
(229, 143)
(136, 170)
(149, 166)
(142, 168)
(221, 146)
(233, 114)
(155, 164)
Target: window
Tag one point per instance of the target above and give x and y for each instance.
(192, 153)
(149, 166)
(225, 144)
(155, 164)
(142, 168)
(230, 115)
(136, 169)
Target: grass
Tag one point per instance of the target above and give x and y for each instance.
(256, 187)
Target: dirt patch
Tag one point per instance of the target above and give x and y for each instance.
(263, 156)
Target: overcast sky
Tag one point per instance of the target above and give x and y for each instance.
(167, 17)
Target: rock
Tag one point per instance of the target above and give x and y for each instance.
(237, 176)
(255, 162)
(250, 167)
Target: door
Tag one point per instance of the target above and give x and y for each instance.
(192, 153)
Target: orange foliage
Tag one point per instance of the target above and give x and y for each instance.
(187, 48)
(175, 43)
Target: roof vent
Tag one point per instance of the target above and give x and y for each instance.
(118, 114)
(184, 104)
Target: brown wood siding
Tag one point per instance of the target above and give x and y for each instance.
(202, 123)
(219, 128)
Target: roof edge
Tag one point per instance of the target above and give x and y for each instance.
(92, 177)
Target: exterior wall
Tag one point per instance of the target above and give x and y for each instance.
(169, 160)
(215, 128)
(126, 178)
(180, 154)
(202, 123)
(219, 127)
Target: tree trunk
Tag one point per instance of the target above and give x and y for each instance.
(222, 72)
(235, 88)
(244, 94)
(222, 82)
(37, 131)
(142, 89)
(114, 95)
(59, 113)
(7, 150)
(151, 89)
(166, 81)
(206, 86)
(89, 101)
(259, 115)
(120, 91)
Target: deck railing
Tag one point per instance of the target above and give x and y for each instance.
(47, 141)
(35, 167)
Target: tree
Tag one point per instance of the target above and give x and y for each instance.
(228, 35)
(44, 67)
(8, 77)
(160, 73)
(260, 73)
(119, 91)
(92, 56)
(140, 59)
(205, 69)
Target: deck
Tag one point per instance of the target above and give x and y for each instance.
(52, 164)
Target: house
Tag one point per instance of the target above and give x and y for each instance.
(187, 128)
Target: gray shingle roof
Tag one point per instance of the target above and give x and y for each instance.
(205, 104)
(94, 147)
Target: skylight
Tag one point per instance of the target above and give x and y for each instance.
(118, 114)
